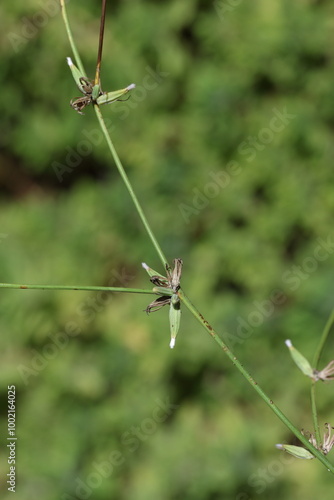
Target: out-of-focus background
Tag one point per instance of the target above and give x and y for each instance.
(228, 141)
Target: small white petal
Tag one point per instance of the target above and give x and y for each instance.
(69, 61)
(131, 86)
(279, 446)
(145, 266)
(288, 343)
(172, 343)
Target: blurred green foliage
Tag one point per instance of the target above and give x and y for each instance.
(211, 78)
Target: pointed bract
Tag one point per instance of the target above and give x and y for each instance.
(300, 360)
(296, 451)
(79, 78)
(174, 318)
(109, 97)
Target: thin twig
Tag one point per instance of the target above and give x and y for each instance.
(197, 314)
(315, 414)
(315, 365)
(253, 383)
(129, 186)
(97, 80)
(324, 336)
(73, 287)
(71, 40)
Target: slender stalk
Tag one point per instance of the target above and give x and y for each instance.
(315, 364)
(97, 80)
(325, 333)
(128, 186)
(253, 383)
(315, 414)
(111, 146)
(73, 287)
(70, 38)
(183, 297)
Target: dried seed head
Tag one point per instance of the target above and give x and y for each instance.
(327, 442)
(326, 374)
(167, 287)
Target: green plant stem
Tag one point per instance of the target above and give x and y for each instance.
(182, 296)
(315, 365)
(111, 146)
(253, 383)
(324, 336)
(73, 287)
(128, 186)
(315, 414)
(71, 40)
(97, 80)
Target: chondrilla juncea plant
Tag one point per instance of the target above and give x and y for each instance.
(167, 284)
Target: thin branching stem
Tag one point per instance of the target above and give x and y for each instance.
(109, 141)
(18, 286)
(315, 366)
(129, 186)
(315, 414)
(185, 299)
(253, 383)
(97, 80)
(71, 40)
(323, 339)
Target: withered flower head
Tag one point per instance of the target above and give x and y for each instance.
(326, 374)
(165, 286)
(328, 440)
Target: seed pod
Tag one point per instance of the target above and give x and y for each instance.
(174, 318)
(151, 272)
(300, 360)
(79, 78)
(296, 451)
(109, 97)
(96, 92)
